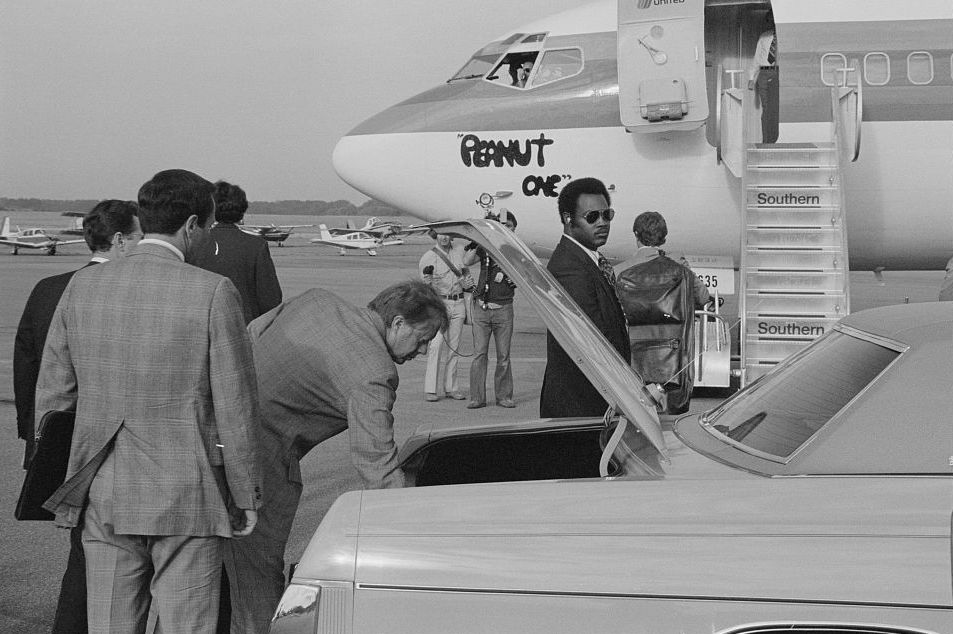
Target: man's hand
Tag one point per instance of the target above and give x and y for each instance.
(243, 526)
(750, 84)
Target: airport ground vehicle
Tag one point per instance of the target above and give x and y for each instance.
(818, 499)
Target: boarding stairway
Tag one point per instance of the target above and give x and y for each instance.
(794, 276)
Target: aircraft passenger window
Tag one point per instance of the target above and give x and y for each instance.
(558, 64)
(830, 63)
(876, 69)
(920, 68)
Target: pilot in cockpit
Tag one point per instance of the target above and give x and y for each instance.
(520, 73)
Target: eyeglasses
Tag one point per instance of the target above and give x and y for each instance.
(592, 216)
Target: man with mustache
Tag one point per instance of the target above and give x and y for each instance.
(324, 366)
(588, 278)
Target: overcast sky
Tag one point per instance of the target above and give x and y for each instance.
(97, 96)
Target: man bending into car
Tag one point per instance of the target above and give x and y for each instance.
(324, 366)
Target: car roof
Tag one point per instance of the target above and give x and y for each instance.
(912, 324)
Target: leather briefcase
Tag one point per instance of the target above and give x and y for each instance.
(47, 468)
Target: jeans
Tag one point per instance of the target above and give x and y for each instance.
(499, 323)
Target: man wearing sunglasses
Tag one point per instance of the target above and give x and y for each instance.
(588, 278)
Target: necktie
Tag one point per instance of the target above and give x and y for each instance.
(773, 50)
(607, 270)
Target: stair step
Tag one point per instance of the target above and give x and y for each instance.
(792, 216)
(793, 237)
(803, 176)
(766, 350)
(762, 280)
(791, 155)
(764, 258)
(819, 304)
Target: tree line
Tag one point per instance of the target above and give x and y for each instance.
(278, 207)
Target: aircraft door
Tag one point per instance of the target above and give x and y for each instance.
(661, 59)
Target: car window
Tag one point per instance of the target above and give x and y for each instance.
(774, 418)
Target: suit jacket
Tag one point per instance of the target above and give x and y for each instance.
(323, 367)
(28, 349)
(246, 261)
(566, 390)
(152, 355)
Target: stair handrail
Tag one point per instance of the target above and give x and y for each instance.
(720, 96)
(842, 92)
(858, 110)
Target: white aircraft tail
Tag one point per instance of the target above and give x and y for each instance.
(325, 234)
(5, 229)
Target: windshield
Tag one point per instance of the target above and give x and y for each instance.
(773, 418)
(476, 67)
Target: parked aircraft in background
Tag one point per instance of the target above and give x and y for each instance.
(76, 224)
(271, 233)
(655, 98)
(354, 240)
(32, 238)
(374, 226)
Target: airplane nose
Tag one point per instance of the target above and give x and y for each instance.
(388, 168)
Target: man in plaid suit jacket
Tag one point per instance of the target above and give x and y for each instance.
(153, 356)
(323, 366)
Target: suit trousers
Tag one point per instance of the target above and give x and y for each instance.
(499, 323)
(442, 356)
(71, 607)
(177, 575)
(768, 91)
(256, 564)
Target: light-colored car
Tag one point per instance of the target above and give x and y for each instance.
(817, 500)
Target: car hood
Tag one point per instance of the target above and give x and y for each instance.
(574, 331)
(828, 539)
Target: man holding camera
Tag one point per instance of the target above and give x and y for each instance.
(442, 268)
(492, 314)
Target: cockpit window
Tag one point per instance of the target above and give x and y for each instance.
(558, 64)
(775, 417)
(476, 68)
(535, 37)
(515, 69)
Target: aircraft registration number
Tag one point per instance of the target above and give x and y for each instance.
(721, 280)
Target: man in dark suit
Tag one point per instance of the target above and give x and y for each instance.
(588, 278)
(153, 356)
(242, 258)
(111, 229)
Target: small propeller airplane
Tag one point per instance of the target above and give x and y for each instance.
(76, 225)
(33, 238)
(354, 239)
(271, 233)
(374, 226)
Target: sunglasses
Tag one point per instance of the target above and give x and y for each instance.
(592, 216)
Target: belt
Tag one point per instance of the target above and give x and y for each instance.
(765, 67)
(453, 298)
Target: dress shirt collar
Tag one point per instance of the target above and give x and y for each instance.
(99, 259)
(595, 255)
(167, 245)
